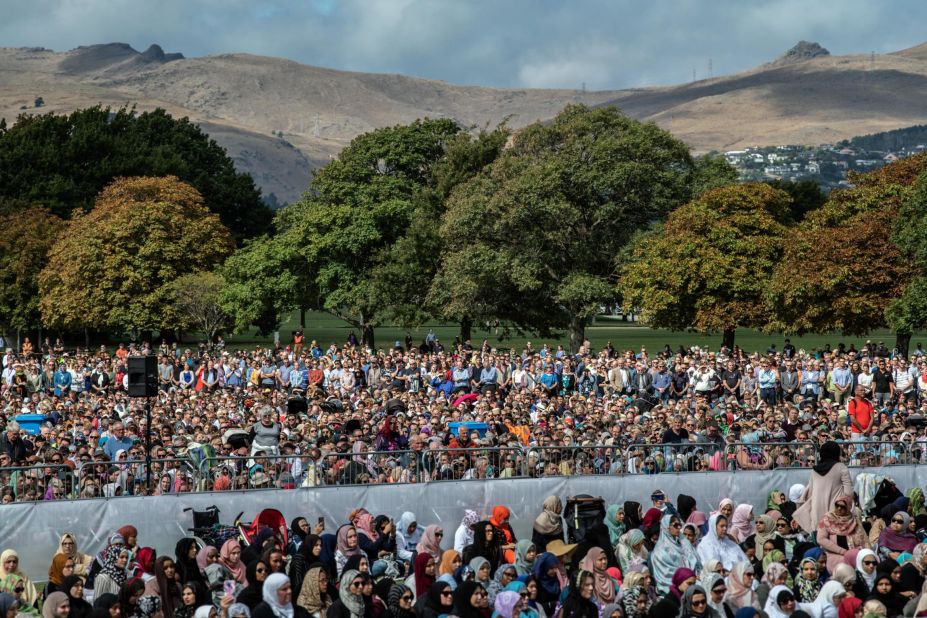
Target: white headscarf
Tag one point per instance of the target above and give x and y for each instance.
(795, 492)
(272, 584)
(824, 606)
(772, 606)
(869, 578)
(726, 551)
(203, 611)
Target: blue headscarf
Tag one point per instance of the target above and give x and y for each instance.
(542, 564)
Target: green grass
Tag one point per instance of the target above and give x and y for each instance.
(326, 329)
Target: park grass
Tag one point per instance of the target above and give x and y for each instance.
(327, 329)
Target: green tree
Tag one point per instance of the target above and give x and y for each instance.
(64, 161)
(709, 265)
(908, 312)
(532, 240)
(711, 171)
(262, 283)
(358, 207)
(25, 238)
(197, 297)
(806, 195)
(113, 267)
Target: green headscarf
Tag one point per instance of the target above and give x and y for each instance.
(615, 528)
(916, 496)
(771, 504)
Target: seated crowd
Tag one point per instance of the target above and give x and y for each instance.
(291, 416)
(825, 549)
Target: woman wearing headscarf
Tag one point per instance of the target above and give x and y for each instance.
(314, 596)
(278, 599)
(507, 604)
(164, 585)
(62, 566)
(550, 578)
(9, 565)
(916, 497)
(596, 562)
(437, 602)
(807, 581)
(67, 545)
(741, 524)
(309, 554)
(826, 603)
(830, 479)
(399, 602)
(896, 538)
(113, 574)
(631, 550)
(504, 574)
(464, 535)
(774, 574)
(671, 552)
(56, 605)
(469, 600)
(883, 592)
(430, 542)
(187, 569)
(371, 539)
(256, 573)
(548, 525)
(740, 592)
(73, 586)
(423, 574)
(8, 605)
(525, 555)
(487, 543)
(694, 604)
(765, 530)
(408, 534)
(350, 602)
(840, 531)
(633, 514)
(781, 603)
(346, 545)
(717, 545)
(500, 519)
(230, 558)
(715, 589)
(866, 562)
(850, 605)
(579, 602)
(614, 521)
(670, 604)
(299, 528)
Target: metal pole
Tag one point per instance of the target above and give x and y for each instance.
(148, 445)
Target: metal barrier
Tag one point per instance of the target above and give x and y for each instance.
(877, 453)
(769, 455)
(28, 483)
(574, 460)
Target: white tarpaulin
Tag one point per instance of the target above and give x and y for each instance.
(33, 529)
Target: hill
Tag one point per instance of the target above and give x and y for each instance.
(278, 118)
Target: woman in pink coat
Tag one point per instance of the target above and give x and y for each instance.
(840, 532)
(830, 479)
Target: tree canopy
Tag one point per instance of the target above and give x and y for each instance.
(114, 266)
(63, 161)
(708, 266)
(532, 239)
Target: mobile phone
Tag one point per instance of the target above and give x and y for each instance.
(321, 521)
(229, 587)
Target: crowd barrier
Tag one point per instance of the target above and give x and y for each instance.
(34, 528)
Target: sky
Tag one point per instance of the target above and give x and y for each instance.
(602, 44)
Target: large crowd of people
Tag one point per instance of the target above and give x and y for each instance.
(828, 548)
(296, 416)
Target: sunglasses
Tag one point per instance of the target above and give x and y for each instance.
(898, 521)
(869, 562)
(446, 593)
(699, 603)
(406, 597)
(356, 584)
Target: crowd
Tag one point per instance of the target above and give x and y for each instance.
(828, 548)
(305, 415)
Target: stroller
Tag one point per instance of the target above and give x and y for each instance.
(208, 531)
(268, 518)
(582, 513)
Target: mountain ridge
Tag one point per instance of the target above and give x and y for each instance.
(279, 118)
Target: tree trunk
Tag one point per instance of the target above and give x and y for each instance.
(902, 343)
(366, 331)
(727, 339)
(87, 338)
(577, 333)
(466, 329)
(302, 316)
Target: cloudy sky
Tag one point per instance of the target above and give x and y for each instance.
(506, 43)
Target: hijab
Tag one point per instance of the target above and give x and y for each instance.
(469, 518)
(843, 525)
(627, 557)
(447, 561)
(848, 607)
(422, 581)
(341, 542)
(738, 593)
(476, 564)
(604, 584)
(542, 564)
(462, 606)
(681, 575)
(56, 570)
(718, 548)
(296, 531)
(273, 583)
(203, 611)
(52, 603)
(393, 599)
(495, 586)
(741, 526)
(363, 520)
(772, 603)
(433, 600)
(898, 541)
(522, 566)
(870, 577)
(828, 457)
(760, 538)
(310, 596)
(430, 543)
(549, 521)
(709, 581)
(686, 607)
(615, 528)
(629, 603)
(110, 557)
(808, 589)
(238, 569)
(724, 502)
(669, 554)
(505, 603)
(632, 518)
(30, 594)
(7, 601)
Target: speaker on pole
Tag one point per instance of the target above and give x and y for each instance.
(143, 376)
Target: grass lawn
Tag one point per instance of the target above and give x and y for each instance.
(325, 329)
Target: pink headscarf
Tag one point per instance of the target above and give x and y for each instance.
(238, 569)
(430, 544)
(741, 526)
(363, 522)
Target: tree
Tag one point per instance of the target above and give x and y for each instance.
(197, 298)
(709, 265)
(262, 283)
(25, 238)
(114, 266)
(358, 207)
(806, 196)
(841, 269)
(711, 171)
(532, 240)
(908, 312)
(64, 161)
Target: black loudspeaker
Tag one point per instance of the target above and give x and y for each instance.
(143, 376)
